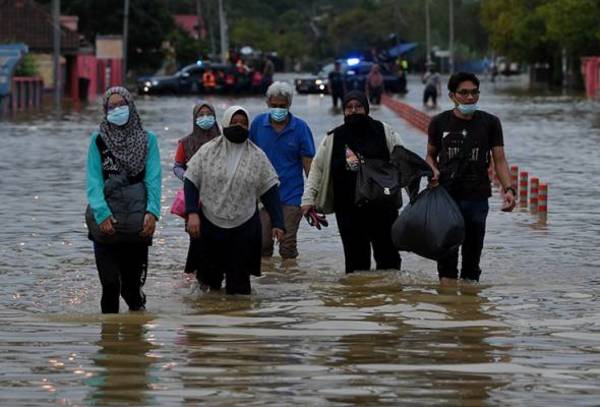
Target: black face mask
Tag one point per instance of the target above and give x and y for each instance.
(356, 119)
(236, 134)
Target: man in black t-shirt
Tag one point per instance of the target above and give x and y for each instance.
(461, 143)
(337, 87)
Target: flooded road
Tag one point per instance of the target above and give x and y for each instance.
(309, 335)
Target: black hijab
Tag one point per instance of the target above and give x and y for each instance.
(362, 133)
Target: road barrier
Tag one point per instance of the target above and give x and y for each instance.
(538, 194)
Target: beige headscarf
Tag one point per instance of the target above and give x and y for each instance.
(231, 177)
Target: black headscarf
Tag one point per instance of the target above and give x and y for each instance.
(357, 95)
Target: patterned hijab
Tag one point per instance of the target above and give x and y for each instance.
(128, 143)
(193, 141)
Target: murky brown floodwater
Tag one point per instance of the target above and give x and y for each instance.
(309, 335)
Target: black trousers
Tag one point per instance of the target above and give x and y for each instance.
(229, 254)
(363, 228)
(122, 269)
(335, 96)
(475, 215)
(430, 92)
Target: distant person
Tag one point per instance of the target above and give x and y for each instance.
(209, 80)
(462, 141)
(288, 142)
(267, 73)
(123, 185)
(402, 69)
(204, 129)
(332, 181)
(229, 175)
(336, 84)
(433, 86)
(374, 85)
(256, 81)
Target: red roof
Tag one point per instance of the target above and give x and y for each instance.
(28, 22)
(189, 22)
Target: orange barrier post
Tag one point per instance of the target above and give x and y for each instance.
(523, 181)
(533, 194)
(543, 201)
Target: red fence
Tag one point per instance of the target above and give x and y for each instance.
(26, 93)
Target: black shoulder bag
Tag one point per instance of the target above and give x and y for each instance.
(127, 200)
(377, 181)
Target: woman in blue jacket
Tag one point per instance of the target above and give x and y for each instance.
(122, 149)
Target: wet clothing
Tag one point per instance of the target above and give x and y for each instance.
(471, 186)
(286, 151)
(288, 246)
(122, 266)
(122, 271)
(448, 133)
(475, 215)
(361, 228)
(370, 225)
(186, 148)
(213, 250)
(230, 254)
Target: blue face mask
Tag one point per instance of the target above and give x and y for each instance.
(278, 114)
(467, 109)
(118, 116)
(205, 122)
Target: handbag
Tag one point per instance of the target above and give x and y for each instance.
(126, 199)
(377, 181)
(178, 205)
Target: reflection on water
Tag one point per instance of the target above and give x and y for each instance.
(123, 361)
(309, 335)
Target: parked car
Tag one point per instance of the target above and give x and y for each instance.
(186, 81)
(355, 76)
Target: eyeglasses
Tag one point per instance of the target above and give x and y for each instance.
(466, 92)
(354, 107)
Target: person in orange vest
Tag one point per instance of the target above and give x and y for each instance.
(209, 80)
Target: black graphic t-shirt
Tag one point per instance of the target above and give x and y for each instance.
(449, 133)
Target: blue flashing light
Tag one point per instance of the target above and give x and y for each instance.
(199, 62)
(352, 61)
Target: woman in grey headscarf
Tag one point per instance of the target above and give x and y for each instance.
(204, 129)
(122, 152)
(229, 175)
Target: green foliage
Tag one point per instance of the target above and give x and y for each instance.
(27, 67)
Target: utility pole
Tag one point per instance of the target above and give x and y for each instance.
(427, 32)
(200, 23)
(223, 32)
(56, 48)
(451, 35)
(125, 37)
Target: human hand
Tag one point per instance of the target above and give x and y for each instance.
(193, 225)
(149, 225)
(306, 208)
(277, 234)
(107, 226)
(509, 201)
(435, 180)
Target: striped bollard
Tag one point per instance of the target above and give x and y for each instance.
(523, 181)
(533, 194)
(514, 179)
(543, 202)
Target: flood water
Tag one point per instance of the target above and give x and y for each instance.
(529, 334)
